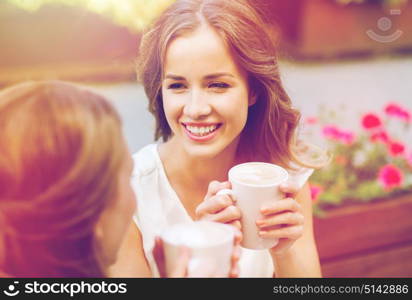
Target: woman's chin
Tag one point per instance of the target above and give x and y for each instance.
(202, 151)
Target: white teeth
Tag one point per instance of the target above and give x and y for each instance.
(201, 130)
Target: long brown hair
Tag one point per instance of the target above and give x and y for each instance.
(270, 131)
(59, 156)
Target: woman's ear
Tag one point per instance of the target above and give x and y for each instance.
(252, 98)
(252, 90)
(98, 232)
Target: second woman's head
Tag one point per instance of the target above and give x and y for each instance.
(210, 70)
(65, 195)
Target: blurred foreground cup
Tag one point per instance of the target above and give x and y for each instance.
(210, 244)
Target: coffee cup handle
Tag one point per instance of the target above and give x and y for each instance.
(227, 192)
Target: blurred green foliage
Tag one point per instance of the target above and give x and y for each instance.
(389, 3)
(134, 14)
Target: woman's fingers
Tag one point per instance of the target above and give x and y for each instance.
(159, 257)
(227, 215)
(234, 261)
(238, 235)
(288, 204)
(234, 273)
(216, 186)
(289, 188)
(235, 255)
(213, 205)
(237, 225)
(290, 232)
(286, 218)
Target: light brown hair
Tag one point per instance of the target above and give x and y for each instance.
(270, 131)
(59, 158)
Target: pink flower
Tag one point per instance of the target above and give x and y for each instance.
(370, 121)
(380, 136)
(396, 148)
(397, 111)
(390, 177)
(392, 109)
(315, 191)
(334, 133)
(406, 116)
(347, 137)
(331, 132)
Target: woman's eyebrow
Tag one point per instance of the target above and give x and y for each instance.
(217, 75)
(174, 77)
(207, 77)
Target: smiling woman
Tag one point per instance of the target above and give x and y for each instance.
(209, 69)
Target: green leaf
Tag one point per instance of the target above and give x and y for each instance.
(367, 191)
(329, 197)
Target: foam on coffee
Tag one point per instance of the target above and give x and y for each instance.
(258, 174)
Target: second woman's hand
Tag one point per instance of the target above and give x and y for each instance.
(234, 269)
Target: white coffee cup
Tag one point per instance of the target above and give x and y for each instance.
(210, 244)
(255, 184)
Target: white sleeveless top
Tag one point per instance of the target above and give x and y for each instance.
(158, 207)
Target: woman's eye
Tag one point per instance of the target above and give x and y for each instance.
(219, 85)
(175, 86)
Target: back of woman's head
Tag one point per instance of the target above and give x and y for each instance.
(59, 153)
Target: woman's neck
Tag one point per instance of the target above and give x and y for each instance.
(190, 176)
(194, 171)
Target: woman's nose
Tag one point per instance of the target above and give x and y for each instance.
(197, 105)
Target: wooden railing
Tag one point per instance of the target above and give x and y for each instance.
(367, 240)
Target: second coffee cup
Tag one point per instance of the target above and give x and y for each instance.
(210, 244)
(255, 184)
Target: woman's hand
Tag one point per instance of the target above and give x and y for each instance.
(283, 220)
(234, 270)
(219, 208)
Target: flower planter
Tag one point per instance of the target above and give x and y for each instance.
(325, 29)
(367, 240)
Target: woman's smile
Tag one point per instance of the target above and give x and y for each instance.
(201, 132)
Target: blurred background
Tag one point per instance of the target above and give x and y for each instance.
(347, 65)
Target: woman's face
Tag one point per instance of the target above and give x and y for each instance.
(117, 216)
(205, 94)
